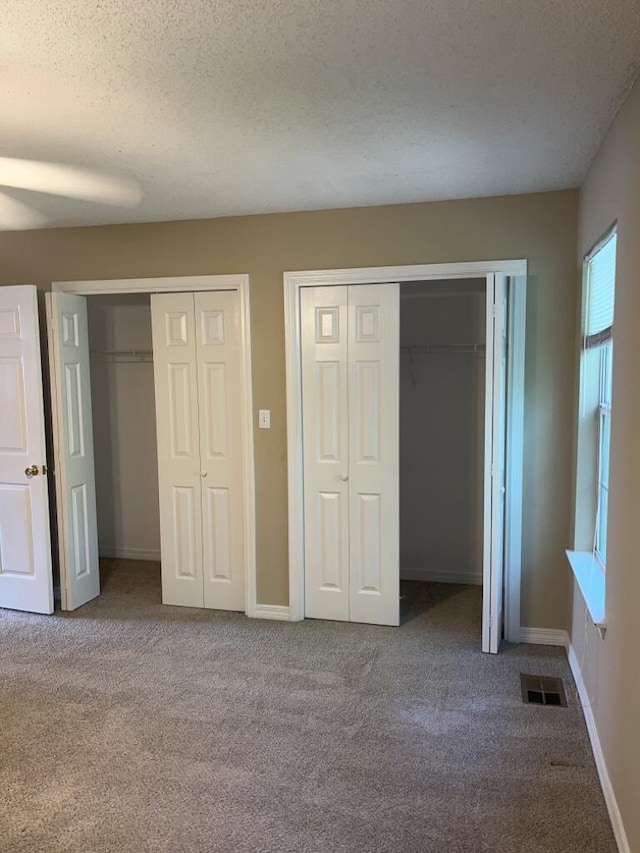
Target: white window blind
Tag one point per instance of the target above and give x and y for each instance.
(601, 274)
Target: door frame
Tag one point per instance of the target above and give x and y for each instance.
(516, 273)
(174, 284)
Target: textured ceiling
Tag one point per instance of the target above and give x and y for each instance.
(222, 107)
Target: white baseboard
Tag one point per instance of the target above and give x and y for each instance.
(270, 611)
(429, 576)
(129, 554)
(545, 637)
(603, 773)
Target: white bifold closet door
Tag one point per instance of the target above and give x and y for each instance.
(73, 442)
(350, 387)
(196, 350)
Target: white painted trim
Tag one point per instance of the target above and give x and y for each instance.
(516, 271)
(272, 611)
(605, 782)
(246, 391)
(514, 454)
(192, 283)
(490, 638)
(412, 272)
(429, 576)
(545, 637)
(166, 284)
(295, 461)
(590, 577)
(129, 554)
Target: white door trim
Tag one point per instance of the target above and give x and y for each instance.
(488, 484)
(516, 271)
(239, 282)
(172, 283)
(514, 452)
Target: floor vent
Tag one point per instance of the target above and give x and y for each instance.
(542, 690)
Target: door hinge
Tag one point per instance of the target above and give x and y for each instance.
(493, 311)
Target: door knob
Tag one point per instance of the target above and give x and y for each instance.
(203, 474)
(344, 477)
(32, 471)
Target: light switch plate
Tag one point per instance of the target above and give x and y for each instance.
(264, 419)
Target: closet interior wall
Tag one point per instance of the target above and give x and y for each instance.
(124, 426)
(442, 406)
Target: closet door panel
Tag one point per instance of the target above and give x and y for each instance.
(217, 522)
(217, 320)
(369, 549)
(185, 532)
(374, 353)
(176, 391)
(76, 489)
(326, 451)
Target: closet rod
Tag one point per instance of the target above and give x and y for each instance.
(124, 356)
(444, 348)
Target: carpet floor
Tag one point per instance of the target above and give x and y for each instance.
(129, 726)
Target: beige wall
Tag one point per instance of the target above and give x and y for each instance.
(541, 228)
(610, 667)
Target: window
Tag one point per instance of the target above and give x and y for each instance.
(589, 557)
(597, 354)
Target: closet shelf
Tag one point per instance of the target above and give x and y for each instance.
(424, 349)
(124, 356)
(439, 349)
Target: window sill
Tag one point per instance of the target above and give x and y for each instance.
(590, 577)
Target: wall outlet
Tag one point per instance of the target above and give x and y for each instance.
(264, 419)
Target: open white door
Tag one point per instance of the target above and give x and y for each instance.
(494, 475)
(26, 581)
(73, 447)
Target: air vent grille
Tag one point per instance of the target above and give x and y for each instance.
(542, 690)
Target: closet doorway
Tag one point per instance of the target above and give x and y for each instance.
(442, 437)
(124, 435)
(354, 393)
(202, 419)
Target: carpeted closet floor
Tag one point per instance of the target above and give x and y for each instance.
(129, 726)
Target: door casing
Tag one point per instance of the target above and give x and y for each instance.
(174, 284)
(516, 273)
